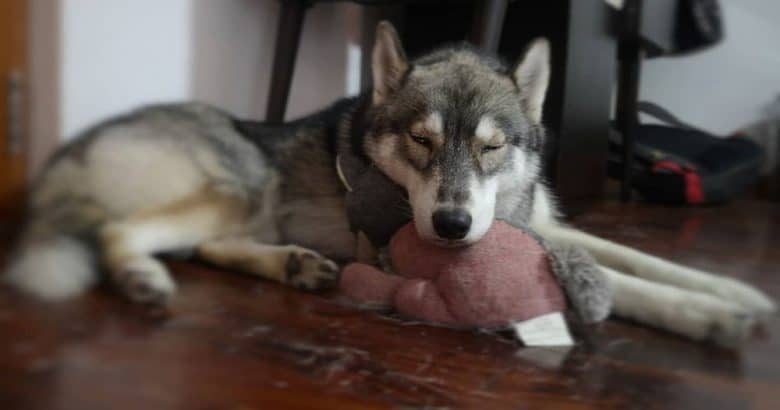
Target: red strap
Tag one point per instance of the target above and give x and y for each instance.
(693, 192)
(693, 189)
(668, 166)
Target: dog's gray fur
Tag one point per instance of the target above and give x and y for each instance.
(455, 129)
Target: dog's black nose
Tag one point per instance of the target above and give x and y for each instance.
(451, 223)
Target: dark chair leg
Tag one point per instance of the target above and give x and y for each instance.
(288, 36)
(630, 63)
(488, 23)
(578, 107)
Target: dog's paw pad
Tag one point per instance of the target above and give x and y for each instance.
(308, 270)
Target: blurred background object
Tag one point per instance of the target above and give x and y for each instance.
(766, 133)
(13, 71)
(90, 59)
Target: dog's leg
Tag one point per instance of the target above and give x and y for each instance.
(288, 264)
(654, 269)
(698, 316)
(129, 244)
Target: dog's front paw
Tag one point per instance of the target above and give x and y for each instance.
(145, 280)
(731, 329)
(308, 270)
(705, 317)
(724, 323)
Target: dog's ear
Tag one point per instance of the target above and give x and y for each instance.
(532, 75)
(388, 62)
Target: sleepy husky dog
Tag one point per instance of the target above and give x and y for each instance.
(459, 131)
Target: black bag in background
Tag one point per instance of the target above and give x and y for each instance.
(699, 25)
(679, 164)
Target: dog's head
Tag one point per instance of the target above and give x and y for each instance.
(459, 130)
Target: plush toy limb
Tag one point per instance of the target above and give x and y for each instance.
(366, 284)
(421, 299)
(584, 283)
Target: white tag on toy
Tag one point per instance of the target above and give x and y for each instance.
(545, 330)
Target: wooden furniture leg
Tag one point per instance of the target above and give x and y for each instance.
(488, 23)
(288, 36)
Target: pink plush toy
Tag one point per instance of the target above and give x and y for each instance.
(510, 276)
(505, 278)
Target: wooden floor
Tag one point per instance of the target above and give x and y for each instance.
(231, 341)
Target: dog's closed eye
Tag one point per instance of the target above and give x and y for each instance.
(426, 142)
(490, 148)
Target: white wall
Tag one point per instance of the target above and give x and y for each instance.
(233, 46)
(728, 86)
(117, 54)
(320, 74)
(232, 52)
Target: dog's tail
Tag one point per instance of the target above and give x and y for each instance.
(56, 256)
